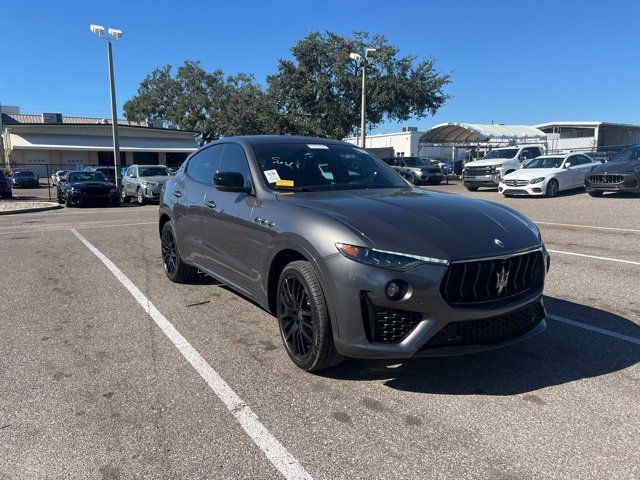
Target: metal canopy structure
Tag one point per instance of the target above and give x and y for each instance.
(474, 134)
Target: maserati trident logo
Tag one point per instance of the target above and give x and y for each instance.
(498, 242)
(502, 278)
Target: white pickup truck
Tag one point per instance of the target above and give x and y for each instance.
(496, 164)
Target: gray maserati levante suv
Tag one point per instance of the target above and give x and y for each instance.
(351, 259)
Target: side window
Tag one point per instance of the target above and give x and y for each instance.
(573, 160)
(129, 171)
(233, 159)
(584, 160)
(534, 152)
(203, 164)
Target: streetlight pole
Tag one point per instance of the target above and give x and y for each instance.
(114, 114)
(363, 104)
(363, 99)
(111, 36)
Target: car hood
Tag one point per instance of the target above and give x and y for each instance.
(424, 223)
(159, 179)
(632, 166)
(529, 173)
(90, 184)
(486, 163)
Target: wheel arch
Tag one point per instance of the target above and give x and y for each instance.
(279, 261)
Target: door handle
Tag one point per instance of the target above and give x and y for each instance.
(177, 193)
(210, 204)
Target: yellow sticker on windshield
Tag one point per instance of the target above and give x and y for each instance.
(284, 183)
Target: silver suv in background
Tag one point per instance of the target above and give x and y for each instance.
(417, 170)
(143, 182)
(496, 164)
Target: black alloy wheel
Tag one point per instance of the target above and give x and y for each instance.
(552, 188)
(303, 319)
(140, 197)
(176, 270)
(295, 316)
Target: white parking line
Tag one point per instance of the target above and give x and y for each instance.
(630, 262)
(272, 448)
(81, 226)
(603, 331)
(590, 226)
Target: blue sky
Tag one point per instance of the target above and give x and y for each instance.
(512, 62)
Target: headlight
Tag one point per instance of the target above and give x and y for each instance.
(537, 180)
(385, 259)
(496, 168)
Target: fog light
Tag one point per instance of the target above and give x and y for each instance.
(395, 289)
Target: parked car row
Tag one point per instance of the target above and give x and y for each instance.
(141, 182)
(525, 171)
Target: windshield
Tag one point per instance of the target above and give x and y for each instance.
(86, 177)
(154, 171)
(323, 167)
(508, 153)
(545, 162)
(627, 155)
(415, 162)
(23, 174)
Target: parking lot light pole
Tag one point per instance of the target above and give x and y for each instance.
(111, 35)
(363, 100)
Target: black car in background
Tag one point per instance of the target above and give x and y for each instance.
(25, 179)
(620, 174)
(87, 187)
(5, 185)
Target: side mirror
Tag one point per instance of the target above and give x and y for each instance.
(230, 182)
(567, 165)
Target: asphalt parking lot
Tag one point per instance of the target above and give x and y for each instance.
(108, 370)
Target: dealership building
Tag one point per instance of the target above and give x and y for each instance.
(48, 142)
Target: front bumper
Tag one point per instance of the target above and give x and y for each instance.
(94, 197)
(628, 182)
(354, 284)
(492, 180)
(152, 193)
(522, 190)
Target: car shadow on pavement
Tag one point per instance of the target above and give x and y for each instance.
(561, 354)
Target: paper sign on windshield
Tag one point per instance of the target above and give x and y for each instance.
(317, 146)
(272, 176)
(284, 183)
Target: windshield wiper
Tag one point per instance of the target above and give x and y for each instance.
(292, 189)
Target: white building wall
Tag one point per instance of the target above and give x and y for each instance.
(403, 143)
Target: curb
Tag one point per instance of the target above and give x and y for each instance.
(29, 210)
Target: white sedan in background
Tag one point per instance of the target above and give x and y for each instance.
(548, 174)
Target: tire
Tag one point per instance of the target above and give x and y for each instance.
(67, 201)
(314, 350)
(140, 197)
(471, 188)
(595, 193)
(552, 188)
(123, 196)
(60, 201)
(176, 270)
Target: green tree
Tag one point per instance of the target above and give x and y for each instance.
(212, 104)
(318, 92)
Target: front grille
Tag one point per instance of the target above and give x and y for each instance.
(488, 331)
(516, 183)
(478, 281)
(606, 179)
(516, 192)
(387, 325)
(477, 171)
